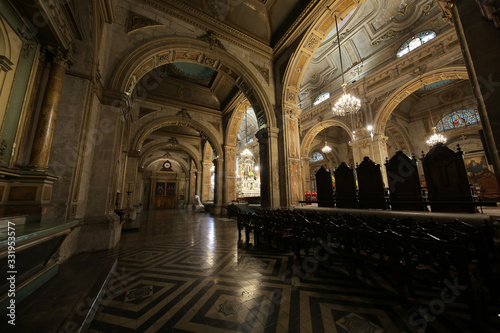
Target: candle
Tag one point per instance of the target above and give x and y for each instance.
(130, 187)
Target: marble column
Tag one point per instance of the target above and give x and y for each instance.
(219, 185)
(306, 173)
(269, 167)
(293, 177)
(42, 144)
(206, 183)
(192, 188)
(229, 174)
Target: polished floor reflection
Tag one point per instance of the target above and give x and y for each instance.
(183, 272)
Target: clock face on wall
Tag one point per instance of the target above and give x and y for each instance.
(167, 165)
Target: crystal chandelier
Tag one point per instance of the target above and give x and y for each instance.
(435, 138)
(347, 103)
(326, 149)
(246, 153)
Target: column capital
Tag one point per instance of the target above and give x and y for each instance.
(60, 56)
(230, 149)
(292, 112)
(265, 133)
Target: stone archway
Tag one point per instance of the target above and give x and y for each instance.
(155, 124)
(307, 146)
(310, 43)
(181, 147)
(144, 58)
(405, 90)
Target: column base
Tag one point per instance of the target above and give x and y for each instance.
(26, 192)
(101, 232)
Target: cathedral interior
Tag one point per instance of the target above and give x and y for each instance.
(147, 148)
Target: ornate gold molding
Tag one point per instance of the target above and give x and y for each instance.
(137, 21)
(263, 71)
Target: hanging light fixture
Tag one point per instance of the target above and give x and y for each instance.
(326, 149)
(435, 138)
(346, 103)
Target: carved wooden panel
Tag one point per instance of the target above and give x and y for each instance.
(370, 184)
(345, 187)
(404, 183)
(447, 180)
(324, 188)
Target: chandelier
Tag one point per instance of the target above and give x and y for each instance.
(246, 153)
(326, 149)
(435, 138)
(346, 103)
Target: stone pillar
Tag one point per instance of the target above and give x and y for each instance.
(306, 173)
(100, 227)
(375, 149)
(206, 181)
(230, 174)
(131, 180)
(293, 179)
(192, 188)
(479, 40)
(269, 167)
(219, 185)
(44, 133)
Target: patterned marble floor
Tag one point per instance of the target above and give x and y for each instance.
(184, 272)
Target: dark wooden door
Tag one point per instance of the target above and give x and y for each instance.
(165, 196)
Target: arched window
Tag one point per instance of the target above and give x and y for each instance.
(415, 41)
(457, 119)
(321, 97)
(316, 156)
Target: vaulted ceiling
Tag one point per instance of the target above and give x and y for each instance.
(264, 20)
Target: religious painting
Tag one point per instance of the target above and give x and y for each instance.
(475, 167)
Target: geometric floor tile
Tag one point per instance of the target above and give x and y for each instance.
(185, 272)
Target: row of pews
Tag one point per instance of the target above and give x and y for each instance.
(412, 251)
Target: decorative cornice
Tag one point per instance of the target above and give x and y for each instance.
(137, 21)
(183, 113)
(297, 27)
(211, 38)
(388, 35)
(202, 20)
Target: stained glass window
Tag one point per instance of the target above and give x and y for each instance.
(316, 156)
(415, 41)
(457, 119)
(321, 97)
